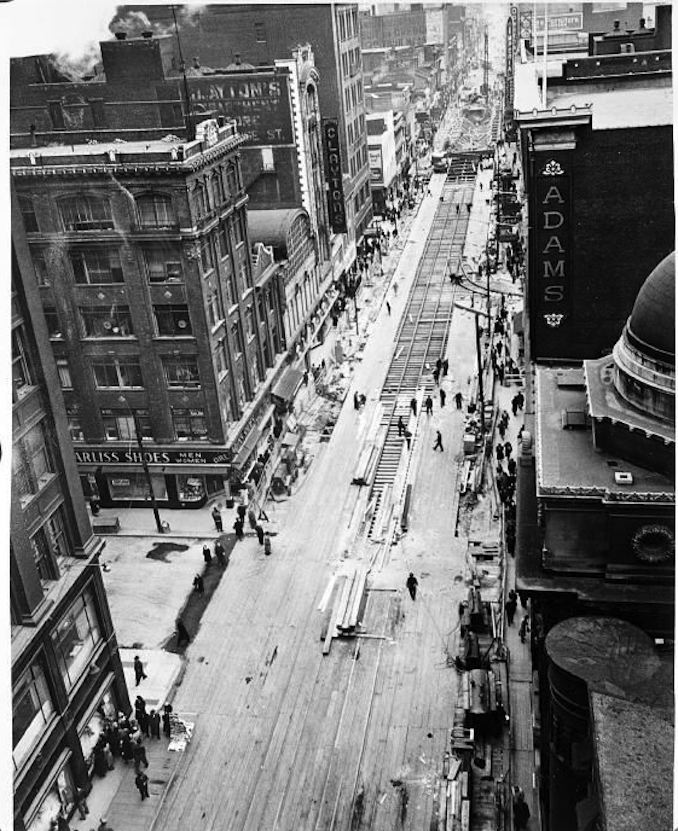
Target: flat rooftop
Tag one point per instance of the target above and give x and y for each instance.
(650, 106)
(633, 745)
(567, 462)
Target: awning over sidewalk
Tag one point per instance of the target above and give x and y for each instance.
(288, 384)
(246, 450)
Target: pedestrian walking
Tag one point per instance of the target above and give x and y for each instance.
(446, 366)
(412, 584)
(514, 405)
(413, 405)
(500, 372)
(238, 528)
(198, 584)
(252, 518)
(508, 449)
(458, 398)
(521, 812)
(260, 534)
(216, 516)
(206, 554)
(388, 308)
(182, 632)
(502, 429)
(242, 513)
(439, 365)
(140, 713)
(429, 405)
(401, 426)
(499, 449)
(510, 606)
(220, 553)
(439, 442)
(443, 396)
(456, 206)
(81, 802)
(408, 438)
(267, 544)
(524, 628)
(108, 756)
(395, 288)
(356, 401)
(436, 376)
(141, 783)
(521, 399)
(139, 754)
(154, 724)
(167, 719)
(139, 673)
(512, 467)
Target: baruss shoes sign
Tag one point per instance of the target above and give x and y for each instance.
(335, 187)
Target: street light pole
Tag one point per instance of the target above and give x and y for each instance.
(149, 482)
(481, 393)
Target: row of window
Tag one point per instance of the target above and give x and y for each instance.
(112, 373)
(361, 197)
(359, 160)
(119, 425)
(356, 129)
(348, 23)
(350, 62)
(353, 94)
(32, 462)
(116, 322)
(216, 189)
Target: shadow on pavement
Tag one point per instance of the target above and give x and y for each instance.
(192, 611)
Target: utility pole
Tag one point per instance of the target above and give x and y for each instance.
(481, 393)
(147, 472)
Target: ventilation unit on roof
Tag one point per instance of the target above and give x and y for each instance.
(573, 419)
(623, 477)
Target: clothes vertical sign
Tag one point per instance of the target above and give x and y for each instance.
(335, 187)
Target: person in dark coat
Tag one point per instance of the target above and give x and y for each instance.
(140, 713)
(356, 401)
(182, 632)
(238, 528)
(458, 398)
(512, 467)
(126, 747)
(446, 366)
(219, 553)
(514, 404)
(412, 584)
(499, 449)
(439, 364)
(141, 783)
(443, 396)
(100, 765)
(502, 429)
(154, 724)
(408, 438)
(167, 719)
(401, 426)
(429, 405)
(436, 376)
(216, 516)
(242, 513)
(139, 673)
(439, 442)
(521, 811)
(413, 405)
(252, 519)
(139, 754)
(260, 534)
(510, 606)
(198, 584)
(508, 449)
(206, 554)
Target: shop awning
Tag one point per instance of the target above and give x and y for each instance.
(287, 386)
(246, 450)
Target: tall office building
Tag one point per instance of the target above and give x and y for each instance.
(66, 670)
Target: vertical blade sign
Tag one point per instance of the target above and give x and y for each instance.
(335, 188)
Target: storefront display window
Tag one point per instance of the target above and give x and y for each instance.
(60, 797)
(130, 485)
(89, 735)
(76, 638)
(31, 710)
(191, 488)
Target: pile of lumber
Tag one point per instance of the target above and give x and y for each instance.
(454, 811)
(345, 606)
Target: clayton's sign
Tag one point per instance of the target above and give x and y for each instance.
(335, 186)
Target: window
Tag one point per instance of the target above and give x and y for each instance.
(76, 638)
(41, 270)
(155, 211)
(92, 265)
(113, 374)
(236, 335)
(32, 464)
(249, 322)
(181, 372)
(189, 424)
(221, 358)
(74, 424)
(239, 228)
(215, 308)
(206, 254)
(200, 199)
(42, 555)
(115, 322)
(172, 320)
(224, 242)
(56, 113)
(64, 373)
(218, 189)
(56, 531)
(260, 32)
(22, 377)
(85, 213)
(119, 424)
(32, 709)
(28, 214)
(232, 180)
(163, 265)
(53, 324)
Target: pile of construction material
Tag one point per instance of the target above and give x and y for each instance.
(343, 604)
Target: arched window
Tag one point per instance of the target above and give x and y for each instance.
(155, 210)
(85, 212)
(232, 180)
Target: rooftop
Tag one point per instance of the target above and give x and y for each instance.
(567, 462)
(620, 108)
(634, 751)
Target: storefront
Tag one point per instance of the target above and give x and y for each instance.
(92, 725)
(178, 478)
(57, 795)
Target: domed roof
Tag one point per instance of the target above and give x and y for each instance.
(652, 320)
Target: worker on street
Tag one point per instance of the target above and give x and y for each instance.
(412, 584)
(439, 442)
(139, 673)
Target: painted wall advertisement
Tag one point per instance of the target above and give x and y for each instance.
(552, 245)
(335, 186)
(259, 103)
(376, 171)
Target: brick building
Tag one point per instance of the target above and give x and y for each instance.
(597, 162)
(163, 332)
(66, 670)
(263, 33)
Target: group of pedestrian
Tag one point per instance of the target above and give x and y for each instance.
(518, 402)
(219, 553)
(521, 810)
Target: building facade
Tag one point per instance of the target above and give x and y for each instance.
(66, 670)
(162, 338)
(265, 33)
(384, 163)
